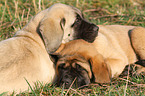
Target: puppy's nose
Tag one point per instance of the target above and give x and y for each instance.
(66, 82)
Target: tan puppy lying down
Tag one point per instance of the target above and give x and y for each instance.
(115, 47)
(26, 54)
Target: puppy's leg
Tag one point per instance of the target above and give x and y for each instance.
(116, 65)
(138, 43)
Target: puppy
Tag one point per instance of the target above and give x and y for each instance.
(26, 54)
(115, 47)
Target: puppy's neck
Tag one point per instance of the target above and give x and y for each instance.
(34, 22)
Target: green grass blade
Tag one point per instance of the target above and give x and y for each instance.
(62, 90)
(3, 93)
(30, 87)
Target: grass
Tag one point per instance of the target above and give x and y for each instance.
(14, 14)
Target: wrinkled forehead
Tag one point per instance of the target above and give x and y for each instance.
(77, 11)
(74, 59)
(67, 8)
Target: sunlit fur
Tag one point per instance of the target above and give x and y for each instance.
(26, 54)
(115, 47)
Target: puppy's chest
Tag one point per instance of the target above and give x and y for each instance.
(47, 68)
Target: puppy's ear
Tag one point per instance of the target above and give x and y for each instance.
(51, 30)
(100, 69)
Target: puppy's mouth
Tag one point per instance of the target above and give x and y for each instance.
(74, 83)
(73, 77)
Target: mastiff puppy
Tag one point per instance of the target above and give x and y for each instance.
(115, 47)
(26, 54)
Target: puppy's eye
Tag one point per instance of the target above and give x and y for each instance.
(68, 34)
(78, 66)
(78, 19)
(61, 65)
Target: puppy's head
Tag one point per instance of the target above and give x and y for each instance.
(62, 23)
(79, 59)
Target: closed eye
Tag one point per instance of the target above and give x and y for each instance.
(61, 66)
(77, 21)
(78, 66)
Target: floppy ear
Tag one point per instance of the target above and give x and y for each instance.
(52, 33)
(100, 69)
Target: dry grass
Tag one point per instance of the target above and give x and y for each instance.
(14, 14)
